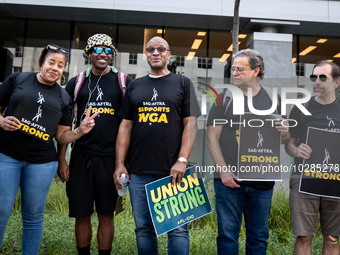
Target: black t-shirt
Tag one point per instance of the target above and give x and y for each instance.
(105, 97)
(157, 107)
(325, 117)
(230, 134)
(21, 146)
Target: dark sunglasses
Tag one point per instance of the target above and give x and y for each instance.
(99, 50)
(152, 50)
(55, 48)
(314, 77)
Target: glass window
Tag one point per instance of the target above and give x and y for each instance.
(132, 75)
(300, 69)
(11, 39)
(40, 33)
(17, 69)
(131, 46)
(307, 51)
(180, 61)
(19, 52)
(205, 63)
(133, 59)
(220, 50)
(315, 48)
(176, 64)
(187, 46)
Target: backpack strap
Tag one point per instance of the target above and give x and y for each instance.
(122, 83)
(21, 78)
(228, 96)
(65, 97)
(81, 77)
(269, 92)
(306, 105)
(79, 82)
(300, 117)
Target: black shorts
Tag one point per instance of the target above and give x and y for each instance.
(91, 181)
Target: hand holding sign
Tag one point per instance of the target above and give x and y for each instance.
(177, 171)
(303, 151)
(174, 206)
(9, 123)
(282, 126)
(88, 123)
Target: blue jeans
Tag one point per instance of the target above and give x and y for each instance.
(178, 239)
(255, 204)
(35, 181)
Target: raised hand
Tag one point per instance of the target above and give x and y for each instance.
(88, 122)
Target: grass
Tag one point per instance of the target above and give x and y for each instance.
(58, 237)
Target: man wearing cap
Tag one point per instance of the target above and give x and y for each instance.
(89, 176)
(156, 136)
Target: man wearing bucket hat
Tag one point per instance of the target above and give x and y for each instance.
(89, 176)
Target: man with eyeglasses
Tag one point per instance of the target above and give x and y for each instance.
(155, 137)
(90, 174)
(233, 197)
(305, 208)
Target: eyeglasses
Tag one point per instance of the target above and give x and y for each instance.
(314, 77)
(99, 50)
(54, 47)
(238, 70)
(160, 50)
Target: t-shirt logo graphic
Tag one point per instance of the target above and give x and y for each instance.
(326, 158)
(38, 114)
(331, 122)
(154, 97)
(261, 140)
(100, 94)
(41, 98)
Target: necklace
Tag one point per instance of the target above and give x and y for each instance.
(91, 92)
(95, 87)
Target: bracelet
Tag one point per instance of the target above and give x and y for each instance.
(285, 134)
(75, 131)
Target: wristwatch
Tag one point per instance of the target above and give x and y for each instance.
(182, 160)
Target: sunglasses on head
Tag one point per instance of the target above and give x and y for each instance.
(322, 77)
(55, 48)
(99, 50)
